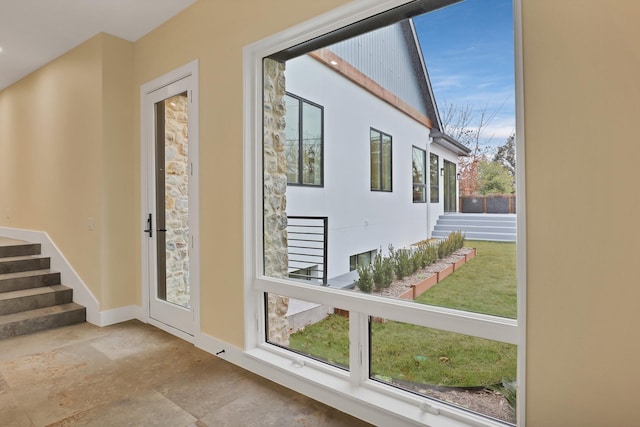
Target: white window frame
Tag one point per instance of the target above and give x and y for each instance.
(354, 392)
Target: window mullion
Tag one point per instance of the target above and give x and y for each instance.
(300, 143)
(358, 347)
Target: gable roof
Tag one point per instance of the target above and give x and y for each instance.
(391, 56)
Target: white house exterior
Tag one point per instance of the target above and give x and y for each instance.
(362, 219)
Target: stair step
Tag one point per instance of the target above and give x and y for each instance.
(26, 322)
(491, 227)
(14, 247)
(464, 223)
(494, 237)
(475, 228)
(31, 299)
(23, 263)
(28, 279)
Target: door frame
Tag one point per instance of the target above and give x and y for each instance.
(146, 165)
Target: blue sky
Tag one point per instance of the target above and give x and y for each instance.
(468, 50)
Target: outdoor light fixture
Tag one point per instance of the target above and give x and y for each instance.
(458, 177)
(441, 171)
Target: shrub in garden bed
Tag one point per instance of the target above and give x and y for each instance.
(405, 262)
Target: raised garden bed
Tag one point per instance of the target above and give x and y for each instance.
(412, 286)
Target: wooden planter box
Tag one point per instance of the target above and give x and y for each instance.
(444, 273)
(471, 254)
(408, 294)
(420, 287)
(341, 312)
(459, 263)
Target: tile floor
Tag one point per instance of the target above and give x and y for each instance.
(132, 374)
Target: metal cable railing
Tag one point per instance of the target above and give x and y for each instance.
(307, 248)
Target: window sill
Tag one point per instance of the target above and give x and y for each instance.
(371, 401)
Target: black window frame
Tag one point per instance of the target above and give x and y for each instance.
(381, 174)
(419, 185)
(301, 102)
(434, 179)
(353, 259)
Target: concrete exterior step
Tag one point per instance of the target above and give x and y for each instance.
(14, 247)
(23, 263)
(493, 237)
(474, 228)
(31, 299)
(490, 227)
(26, 322)
(28, 279)
(477, 222)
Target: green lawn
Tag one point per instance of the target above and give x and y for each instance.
(487, 284)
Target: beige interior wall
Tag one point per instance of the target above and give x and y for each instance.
(67, 132)
(582, 101)
(215, 33)
(120, 228)
(50, 163)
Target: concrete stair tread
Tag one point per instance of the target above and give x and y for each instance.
(21, 258)
(8, 241)
(31, 296)
(21, 274)
(5, 296)
(40, 312)
(14, 247)
(491, 227)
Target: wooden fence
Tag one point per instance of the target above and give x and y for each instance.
(488, 204)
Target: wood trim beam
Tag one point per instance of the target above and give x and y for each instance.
(347, 70)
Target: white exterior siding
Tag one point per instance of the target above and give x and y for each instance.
(360, 220)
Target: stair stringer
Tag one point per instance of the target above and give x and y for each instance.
(69, 277)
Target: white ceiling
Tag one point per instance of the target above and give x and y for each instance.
(34, 32)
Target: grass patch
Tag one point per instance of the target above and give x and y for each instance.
(430, 356)
(327, 340)
(486, 284)
(412, 353)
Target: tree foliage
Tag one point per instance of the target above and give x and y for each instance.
(506, 155)
(478, 175)
(494, 178)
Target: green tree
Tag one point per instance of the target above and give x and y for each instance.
(494, 178)
(506, 155)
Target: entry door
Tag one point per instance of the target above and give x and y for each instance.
(169, 230)
(450, 195)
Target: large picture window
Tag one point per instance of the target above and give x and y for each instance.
(304, 141)
(418, 166)
(380, 161)
(434, 179)
(418, 354)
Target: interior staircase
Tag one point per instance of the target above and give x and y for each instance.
(491, 227)
(31, 295)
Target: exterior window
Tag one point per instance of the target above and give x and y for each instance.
(380, 161)
(304, 141)
(434, 178)
(364, 258)
(418, 167)
(392, 343)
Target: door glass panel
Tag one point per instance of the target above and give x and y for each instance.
(172, 200)
(449, 186)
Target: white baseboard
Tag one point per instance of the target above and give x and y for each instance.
(121, 314)
(220, 348)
